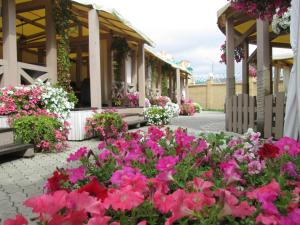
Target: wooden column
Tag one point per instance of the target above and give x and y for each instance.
(187, 95)
(171, 85)
(230, 72)
(263, 70)
(11, 75)
(276, 79)
(94, 59)
(134, 77)
(109, 71)
(141, 74)
(178, 87)
(51, 47)
(159, 79)
(245, 69)
(286, 77)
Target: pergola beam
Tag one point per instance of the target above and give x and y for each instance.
(245, 35)
(30, 6)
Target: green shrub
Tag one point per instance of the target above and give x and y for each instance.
(45, 132)
(198, 107)
(105, 125)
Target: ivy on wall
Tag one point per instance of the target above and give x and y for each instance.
(62, 18)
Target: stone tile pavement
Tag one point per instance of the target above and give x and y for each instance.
(21, 178)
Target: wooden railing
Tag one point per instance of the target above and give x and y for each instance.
(241, 114)
(30, 73)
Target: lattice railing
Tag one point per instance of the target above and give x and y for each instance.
(30, 73)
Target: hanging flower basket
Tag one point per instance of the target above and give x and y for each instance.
(281, 23)
(238, 53)
(264, 9)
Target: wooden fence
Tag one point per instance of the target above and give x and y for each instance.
(241, 114)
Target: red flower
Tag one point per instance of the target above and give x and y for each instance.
(20, 220)
(268, 151)
(56, 182)
(95, 189)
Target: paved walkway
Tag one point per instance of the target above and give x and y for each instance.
(204, 121)
(23, 178)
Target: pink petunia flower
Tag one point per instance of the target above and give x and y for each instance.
(123, 199)
(19, 220)
(76, 174)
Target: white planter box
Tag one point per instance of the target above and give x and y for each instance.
(77, 122)
(78, 118)
(4, 122)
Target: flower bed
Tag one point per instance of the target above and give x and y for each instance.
(187, 108)
(166, 177)
(160, 101)
(157, 115)
(28, 100)
(44, 131)
(161, 111)
(38, 113)
(107, 124)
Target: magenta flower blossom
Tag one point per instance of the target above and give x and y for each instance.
(78, 154)
(230, 171)
(76, 174)
(104, 154)
(127, 172)
(290, 169)
(166, 163)
(288, 145)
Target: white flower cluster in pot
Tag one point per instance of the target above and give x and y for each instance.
(173, 109)
(282, 23)
(157, 115)
(55, 100)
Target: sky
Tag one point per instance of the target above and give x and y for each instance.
(185, 29)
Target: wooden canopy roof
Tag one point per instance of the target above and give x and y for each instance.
(31, 24)
(245, 27)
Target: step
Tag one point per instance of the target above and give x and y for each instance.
(27, 150)
(125, 115)
(137, 123)
(6, 136)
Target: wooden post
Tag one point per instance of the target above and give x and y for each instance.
(51, 47)
(134, 69)
(11, 75)
(141, 74)
(160, 77)
(230, 78)
(263, 70)
(276, 79)
(170, 86)
(94, 59)
(187, 96)
(109, 71)
(178, 87)
(245, 69)
(230, 72)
